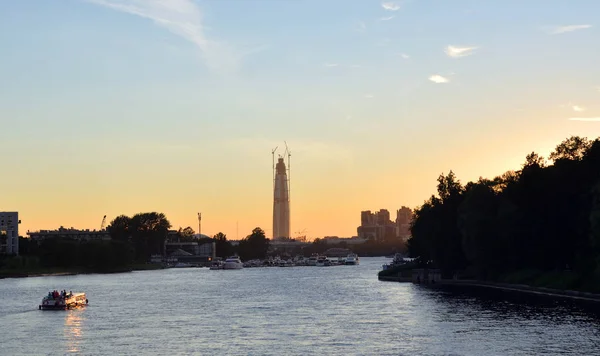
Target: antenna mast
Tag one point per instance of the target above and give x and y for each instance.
(273, 156)
(289, 184)
(199, 225)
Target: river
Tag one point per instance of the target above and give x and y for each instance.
(282, 311)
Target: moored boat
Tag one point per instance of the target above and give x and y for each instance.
(233, 262)
(323, 261)
(352, 259)
(62, 300)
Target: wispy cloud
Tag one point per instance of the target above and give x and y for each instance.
(387, 18)
(390, 6)
(369, 96)
(438, 79)
(584, 119)
(183, 18)
(457, 52)
(404, 55)
(338, 65)
(569, 28)
(578, 108)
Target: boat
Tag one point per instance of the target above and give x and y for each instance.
(62, 301)
(352, 259)
(323, 261)
(233, 262)
(312, 261)
(183, 265)
(217, 264)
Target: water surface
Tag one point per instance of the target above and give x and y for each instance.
(282, 311)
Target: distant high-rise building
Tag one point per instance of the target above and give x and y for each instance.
(281, 202)
(9, 232)
(376, 225)
(404, 218)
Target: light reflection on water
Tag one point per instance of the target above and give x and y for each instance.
(72, 329)
(282, 311)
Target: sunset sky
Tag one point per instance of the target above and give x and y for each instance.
(124, 106)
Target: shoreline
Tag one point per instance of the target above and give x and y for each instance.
(21, 274)
(507, 287)
(526, 289)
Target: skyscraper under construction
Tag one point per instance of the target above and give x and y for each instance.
(281, 199)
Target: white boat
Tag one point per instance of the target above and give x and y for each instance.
(323, 261)
(62, 301)
(352, 259)
(233, 262)
(312, 261)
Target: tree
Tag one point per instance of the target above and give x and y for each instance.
(573, 148)
(477, 216)
(254, 245)
(534, 160)
(448, 186)
(223, 247)
(185, 235)
(119, 228)
(148, 232)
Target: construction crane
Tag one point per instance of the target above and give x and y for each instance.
(299, 236)
(103, 223)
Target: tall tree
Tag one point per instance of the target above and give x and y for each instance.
(224, 247)
(254, 245)
(149, 231)
(119, 228)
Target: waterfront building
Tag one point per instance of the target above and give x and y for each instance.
(69, 233)
(9, 232)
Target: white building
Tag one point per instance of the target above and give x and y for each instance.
(9, 232)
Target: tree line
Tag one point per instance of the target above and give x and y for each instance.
(537, 225)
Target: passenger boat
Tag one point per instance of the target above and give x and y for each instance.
(62, 301)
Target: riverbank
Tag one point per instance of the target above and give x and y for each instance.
(506, 287)
(48, 272)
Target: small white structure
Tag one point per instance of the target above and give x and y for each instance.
(9, 232)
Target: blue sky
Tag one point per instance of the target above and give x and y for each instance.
(110, 99)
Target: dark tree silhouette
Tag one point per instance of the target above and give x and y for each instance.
(538, 225)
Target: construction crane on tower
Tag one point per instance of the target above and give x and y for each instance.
(299, 235)
(103, 223)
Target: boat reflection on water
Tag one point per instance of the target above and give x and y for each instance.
(72, 330)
